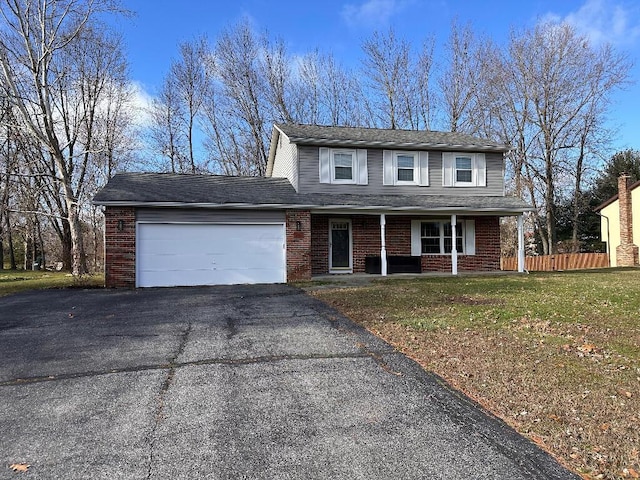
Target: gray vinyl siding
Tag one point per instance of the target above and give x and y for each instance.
(191, 215)
(308, 160)
(285, 164)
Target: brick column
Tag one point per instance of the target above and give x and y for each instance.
(298, 245)
(626, 252)
(120, 247)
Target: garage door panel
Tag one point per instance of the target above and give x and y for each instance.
(205, 254)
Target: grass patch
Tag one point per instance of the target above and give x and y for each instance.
(14, 281)
(556, 355)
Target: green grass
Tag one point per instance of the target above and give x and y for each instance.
(562, 347)
(14, 281)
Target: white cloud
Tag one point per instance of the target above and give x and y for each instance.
(603, 21)
(141, 102)
(371, 13)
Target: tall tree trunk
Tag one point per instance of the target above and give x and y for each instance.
(12, 253)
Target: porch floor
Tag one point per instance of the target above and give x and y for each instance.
(355, 279)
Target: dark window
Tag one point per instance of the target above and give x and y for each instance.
(436, 237)
(405, 168)
(463, 170)
(343, 164)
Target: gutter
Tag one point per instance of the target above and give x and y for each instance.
(315, 207)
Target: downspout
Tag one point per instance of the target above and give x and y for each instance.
(608, 238)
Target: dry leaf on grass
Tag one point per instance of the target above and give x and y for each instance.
(19, 467)
(587, 348)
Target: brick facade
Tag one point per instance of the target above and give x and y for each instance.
(307, 239)
(298, 245)
(120, 247)
(627, 251)
(366, 242)
(487, 257)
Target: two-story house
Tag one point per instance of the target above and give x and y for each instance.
(336, 200)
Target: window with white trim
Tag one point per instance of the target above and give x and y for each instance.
(434, 237)
(405, 168)
(405, 164)
(464, 169)
(343, 166)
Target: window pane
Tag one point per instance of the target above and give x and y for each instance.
(463, 169)
(463, 163)
(342, 160)
(405, 161)
(405, 175)
(463, 176)
(447, 244)
(446, 231)
(344, 173)
(431, 245)
(430, 229)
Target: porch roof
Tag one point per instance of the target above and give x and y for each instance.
(217, 191)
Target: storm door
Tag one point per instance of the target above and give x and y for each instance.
(340, 246)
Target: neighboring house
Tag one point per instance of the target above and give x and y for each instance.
(335, 200)
(619, 228)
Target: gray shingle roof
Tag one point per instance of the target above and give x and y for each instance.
(376, 137)
(193, 189)
(217, 191)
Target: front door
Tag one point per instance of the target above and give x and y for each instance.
(340, 246)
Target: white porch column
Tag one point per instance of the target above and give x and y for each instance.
(521, 242)
(454, 247)
(383, 250)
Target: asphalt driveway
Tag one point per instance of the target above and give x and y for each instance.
(230, 383)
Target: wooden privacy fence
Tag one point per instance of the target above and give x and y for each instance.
(560, 261)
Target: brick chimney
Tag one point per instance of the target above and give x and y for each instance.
(626, 252)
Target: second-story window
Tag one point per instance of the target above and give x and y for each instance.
(405, 168)
(405, 165)
(342, 166)
(464, 170)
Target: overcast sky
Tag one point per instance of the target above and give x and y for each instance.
(339, 26)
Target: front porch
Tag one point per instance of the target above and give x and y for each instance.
(321, 243)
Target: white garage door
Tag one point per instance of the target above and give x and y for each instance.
(205, 254)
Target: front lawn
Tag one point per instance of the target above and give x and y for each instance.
(14, 281)
(556, 355)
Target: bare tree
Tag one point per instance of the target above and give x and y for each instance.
(335, 90)
(386, 67)
(457, 82)
(547, 96)
(238, 101)
(166, 132)
(189, 78)
(276, 70)
(34, 48)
